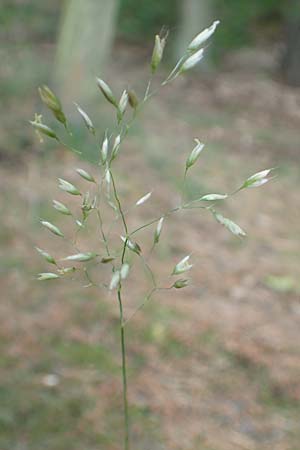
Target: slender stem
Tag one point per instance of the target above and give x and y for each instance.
(124, 373)
(184, 184)
(149, 270)
(148, 89)
(69, 147)
(102, 232)
(141, 306)
(147, 96)
(168, 213)
(235, 191)
(119, 203)
(122, 325)
(173, 74)
(198, 207)
(145, 301)
(90, 281)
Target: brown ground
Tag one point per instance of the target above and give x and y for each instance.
(215, 366)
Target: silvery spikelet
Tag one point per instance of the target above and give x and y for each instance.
(258, 179)
(68, 187)
(85, 175)
(63, 209)
(192, 61)
(158, 229)
(106, 91)
(182, 266)
(88, 122)
(143, 199)
(203, 37)
(194, 154)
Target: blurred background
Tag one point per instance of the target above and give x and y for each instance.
(216, 366)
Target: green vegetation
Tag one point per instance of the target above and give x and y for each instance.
(140, 19)
(60, 366)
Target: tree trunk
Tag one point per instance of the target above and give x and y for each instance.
(85, 41)
(291, 56)
(195, 16)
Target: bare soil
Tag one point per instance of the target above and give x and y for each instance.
(215, 366)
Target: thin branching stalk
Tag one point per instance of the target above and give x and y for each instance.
(103, 189)
(124, 372)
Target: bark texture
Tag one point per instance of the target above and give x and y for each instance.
(85, 40)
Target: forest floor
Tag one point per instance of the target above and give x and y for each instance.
(215, 366)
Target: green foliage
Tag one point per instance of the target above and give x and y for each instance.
(243, 20)
(31, 18)
(143, 18)
(283, 284)
(140, 19)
